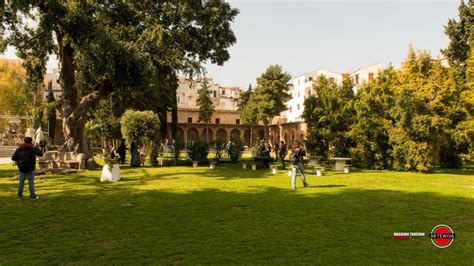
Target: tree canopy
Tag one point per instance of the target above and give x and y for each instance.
(127, 49)
(206, 107)
(269, 97)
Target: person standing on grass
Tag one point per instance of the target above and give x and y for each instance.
(122, 151)
(297, 164)
(25, 158)
(283, 153)
(135, 161)
(275, 149)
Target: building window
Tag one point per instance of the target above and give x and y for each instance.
(298, 94)
(298, 81)
(218, 121)
(190, 119)
(290, 109)
(237, 121)
(310, 78)
(215, 94)
(371, 76)
(297, 106)
(357, 79)
(178, 99)
(223, 92)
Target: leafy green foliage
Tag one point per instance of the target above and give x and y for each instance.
(459, 33)
(15, 97)
(198, 151)
(413, 119)
(329, 114)
(107, 119)
(271, 93)
(206, 107)
(139, 126)
(133, 49)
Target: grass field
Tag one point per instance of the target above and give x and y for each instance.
(188, 215)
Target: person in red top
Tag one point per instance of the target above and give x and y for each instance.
(25, 158)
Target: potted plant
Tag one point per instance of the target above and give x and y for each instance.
(198, 151)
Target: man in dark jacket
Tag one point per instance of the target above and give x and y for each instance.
(283, 152)
(297, 164)
(25, 158)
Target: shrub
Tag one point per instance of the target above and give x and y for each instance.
(140, 127)
(235, 151)
(198, 151)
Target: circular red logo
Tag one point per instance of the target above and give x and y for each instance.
(442, 236)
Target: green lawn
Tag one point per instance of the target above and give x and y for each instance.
(235, 216)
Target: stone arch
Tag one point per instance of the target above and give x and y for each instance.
(211, 138)
(235, 135)
(247, 137)
(261, 134)
(193, 135)
(180, 135)
(221, 135)
(285, 137)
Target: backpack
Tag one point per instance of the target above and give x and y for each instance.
(26, 160)
(297, 156)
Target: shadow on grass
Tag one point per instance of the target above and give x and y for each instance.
(329, 186)
(125, 225)
(466, 170)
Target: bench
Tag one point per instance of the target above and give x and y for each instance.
(346, 168)
(66, 160)
(258, 162)
(274, 169)
(318, 169)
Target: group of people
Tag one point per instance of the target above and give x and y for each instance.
(281, 151)
(25, 158)
(121, 153)
(264, 151)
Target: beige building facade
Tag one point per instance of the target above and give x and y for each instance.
(225, 124)
(290, 125)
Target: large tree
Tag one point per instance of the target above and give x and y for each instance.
(51, 106)
(116, 47)
(249, 115)
(15, 98)
(272, 94)
(245, 97)
(206, 107)
(329, 115)
(459, 33)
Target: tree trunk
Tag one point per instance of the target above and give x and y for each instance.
(265, 122)
(163, 117)
(174, 118)
(251, 135)
(74, 113)
(207, 133)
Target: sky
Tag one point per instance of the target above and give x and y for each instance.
(340, 35)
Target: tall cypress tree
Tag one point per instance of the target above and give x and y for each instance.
(459, 34)
(206, 107)
(272, 93)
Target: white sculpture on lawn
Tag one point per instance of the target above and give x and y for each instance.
(39, 136)
(111, 174)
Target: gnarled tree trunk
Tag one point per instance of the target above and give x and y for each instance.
(74, 112)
